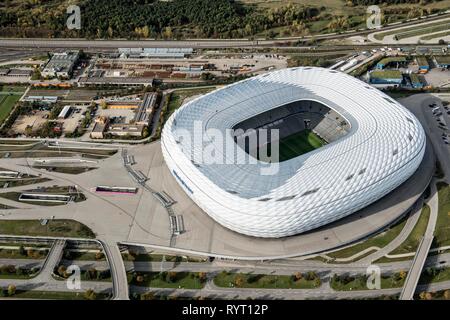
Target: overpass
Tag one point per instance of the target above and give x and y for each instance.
(424, 247)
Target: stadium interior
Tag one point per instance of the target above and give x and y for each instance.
(303, 126)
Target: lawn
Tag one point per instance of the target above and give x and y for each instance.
(160, 257)
(442, 230)
(431, 275)
(186, 280)
(436, 35)
(359, 282)
(380, 240)
(53, 295)
(297, 144)
(54, 228)
(16, 254)
(415, 30)
(247, 280)
(7, 103)
(412, 242)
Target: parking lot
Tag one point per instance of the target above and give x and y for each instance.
(74, 118)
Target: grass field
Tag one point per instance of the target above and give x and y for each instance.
(413, 31)
(7, 103)
(380, 240)
(186, 280)
(442, 230)
(436, 35)
(297, 144)
(54, 228)
(246, 280)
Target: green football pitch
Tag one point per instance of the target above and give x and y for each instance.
(297, 144)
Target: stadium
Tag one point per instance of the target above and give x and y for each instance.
(342, 146)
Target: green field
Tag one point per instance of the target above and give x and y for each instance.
(436, 35)
(297, 144)
(7, 103)
(54, 228)
(247, 280)
(413, 31)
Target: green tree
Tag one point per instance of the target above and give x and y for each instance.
(11, 290)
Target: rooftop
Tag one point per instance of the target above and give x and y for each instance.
(386, 74)
(442, 59)
(392, 59)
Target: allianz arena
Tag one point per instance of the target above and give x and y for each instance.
(370, 144)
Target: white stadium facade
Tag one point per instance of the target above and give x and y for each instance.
(372, 145)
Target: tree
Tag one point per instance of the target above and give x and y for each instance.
(298, 276)
(22, 251)
(62, 271)
(402, 274)
(447, 294)
(11, 290)
(99, 255)
(171, 276)
(110, 32)
(238, 281)
(202, 276)
(148, 296)
(90, 294)
(103, 104)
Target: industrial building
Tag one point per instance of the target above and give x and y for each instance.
(387, 77)
(395, 62)
(362, 162)
(43, 99)
(173, 53)
(61, 65)
(416, 83)
(146, 107)
(442, 61)
(65, 112)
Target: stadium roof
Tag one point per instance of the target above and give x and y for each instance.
(384, 147)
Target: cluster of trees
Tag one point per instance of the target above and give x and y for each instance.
(151, 19)
(9, 291)
(90, 274)
(11, 269)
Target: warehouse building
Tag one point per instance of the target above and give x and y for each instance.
(395, 62)
(61, 65)
(422, 62)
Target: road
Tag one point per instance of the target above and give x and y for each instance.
(323, 292)
(422, 252)
(194, 43)
(118, 273)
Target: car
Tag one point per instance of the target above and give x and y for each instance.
(446, 141)
(442, 124)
